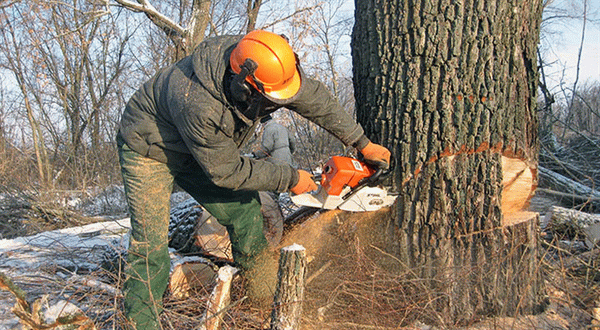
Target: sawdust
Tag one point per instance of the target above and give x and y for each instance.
(356, 284)
(348, 270)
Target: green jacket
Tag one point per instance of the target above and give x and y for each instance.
(186, 109)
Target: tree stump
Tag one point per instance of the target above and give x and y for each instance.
(287, 305)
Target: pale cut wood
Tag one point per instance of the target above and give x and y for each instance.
(219, 299)
(287, 304)
(518, 181)
(188, 276)
(212, 237)
(596, 313)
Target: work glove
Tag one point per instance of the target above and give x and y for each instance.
(376, 155)
(305, 183)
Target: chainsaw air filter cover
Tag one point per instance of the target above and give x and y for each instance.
(343, 171)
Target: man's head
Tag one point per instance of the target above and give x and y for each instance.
(267, 62)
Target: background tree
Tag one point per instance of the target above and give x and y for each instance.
(67, 62)
(451, 89)
(569, 111)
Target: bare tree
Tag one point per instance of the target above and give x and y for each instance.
(67, 60)
(568, 112)
(184, 34)
(13, 50)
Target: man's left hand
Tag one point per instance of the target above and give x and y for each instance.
(376, 155)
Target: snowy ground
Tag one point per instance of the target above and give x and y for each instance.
(64, 263)
(36, 263)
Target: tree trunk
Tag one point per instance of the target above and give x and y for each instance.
(200, 19)
(450, 88)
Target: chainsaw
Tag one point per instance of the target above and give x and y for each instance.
(348, 184)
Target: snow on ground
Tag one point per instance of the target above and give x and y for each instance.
(71, 248)
(44, 263)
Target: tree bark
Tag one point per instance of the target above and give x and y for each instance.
(570, 222)
(450, 88)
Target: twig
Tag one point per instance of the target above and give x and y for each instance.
(562, 194)
(7, 284)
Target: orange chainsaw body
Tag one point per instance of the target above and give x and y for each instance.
(343, 171)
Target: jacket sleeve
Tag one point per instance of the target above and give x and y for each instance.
(318, 105)
(219, 157)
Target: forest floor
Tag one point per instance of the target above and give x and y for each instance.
(77, 264)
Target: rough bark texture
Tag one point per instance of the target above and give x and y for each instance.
(287, 304)
(450, 88)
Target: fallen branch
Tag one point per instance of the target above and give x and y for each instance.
(32, 316)
(7, 284)
(95, 284)
(561, 183)
(567, 195)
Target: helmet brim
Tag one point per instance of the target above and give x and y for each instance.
(288, 91)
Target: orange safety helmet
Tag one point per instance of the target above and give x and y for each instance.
(276, 72)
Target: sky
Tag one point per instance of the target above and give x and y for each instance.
(562, 39)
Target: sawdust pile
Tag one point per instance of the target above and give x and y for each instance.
(352, 281)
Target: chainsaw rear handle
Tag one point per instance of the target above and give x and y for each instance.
(370, 181)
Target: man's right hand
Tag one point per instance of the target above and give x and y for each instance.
(305, 183)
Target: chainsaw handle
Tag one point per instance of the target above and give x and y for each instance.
(368, 181)
(373, 178)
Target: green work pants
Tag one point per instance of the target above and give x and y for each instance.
(148, 187)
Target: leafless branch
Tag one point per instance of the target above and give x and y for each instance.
(299, 11)
(163, 22)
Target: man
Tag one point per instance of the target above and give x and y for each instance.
(277, 143)
(185, 125)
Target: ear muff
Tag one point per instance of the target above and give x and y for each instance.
(240, 88)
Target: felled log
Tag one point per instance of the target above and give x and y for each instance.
(189, 276)
(562, 217)
(564, 185)
(287, 304)
(573, 223)
(219, 299)
(193, 229)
